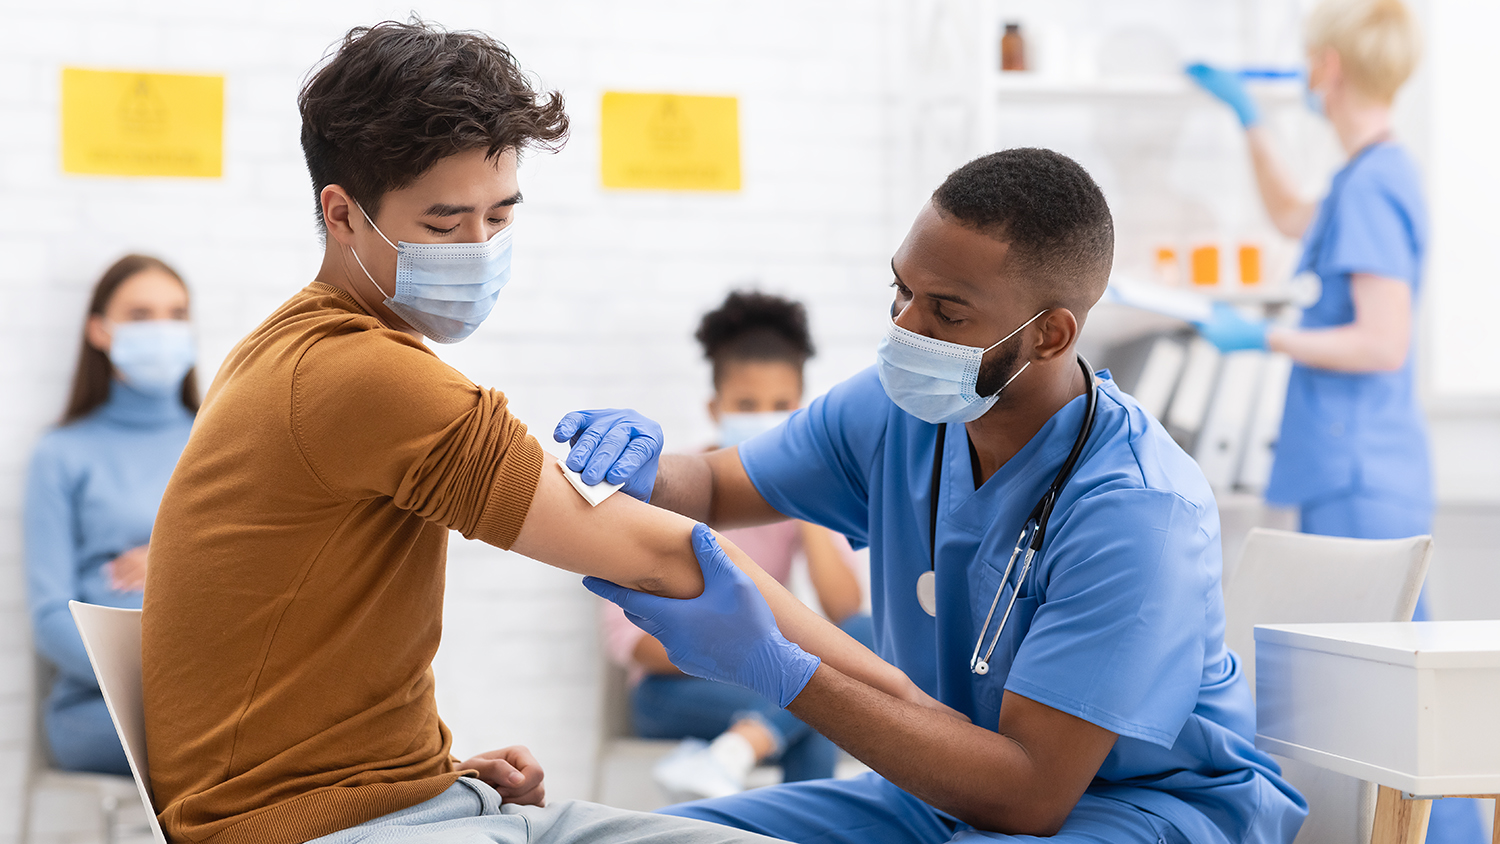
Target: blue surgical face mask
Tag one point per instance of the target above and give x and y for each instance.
(935, 380)
(445, 290)
(152, 356)
(735, 428)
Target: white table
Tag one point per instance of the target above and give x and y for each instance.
(1410, 706)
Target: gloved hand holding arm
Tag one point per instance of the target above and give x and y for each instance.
(728, 633)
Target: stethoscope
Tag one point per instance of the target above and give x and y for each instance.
(1033, 530)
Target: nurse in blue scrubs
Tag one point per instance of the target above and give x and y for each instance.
(1102, 705)
(1352, 456)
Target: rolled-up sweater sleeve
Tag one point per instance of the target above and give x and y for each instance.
(372, 417)
(51, 564)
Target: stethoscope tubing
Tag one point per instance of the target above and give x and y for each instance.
(1036, 523)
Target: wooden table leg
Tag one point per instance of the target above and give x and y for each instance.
(1399, 821)
(1495, 832)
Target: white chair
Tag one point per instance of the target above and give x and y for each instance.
(109, 792)
(112, 638)
(1286, 578)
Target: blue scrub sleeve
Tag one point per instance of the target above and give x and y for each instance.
(1371, 231)
(51, 566)
(1119, 637)
(816, 466)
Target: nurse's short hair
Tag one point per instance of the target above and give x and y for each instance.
(1050, 212)
(395, 98)
(1378, 42)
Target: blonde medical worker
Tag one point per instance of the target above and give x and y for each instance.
(1352, 455)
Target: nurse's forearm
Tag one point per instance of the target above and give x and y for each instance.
(799, 624)
(1006, 783)
(1289, 212)
(1376, 341)
(684, 484)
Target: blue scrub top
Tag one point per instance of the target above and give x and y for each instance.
(1120, 623)
(1344, 432)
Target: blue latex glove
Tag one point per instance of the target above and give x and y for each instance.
(727, 633)
(1227, 87)
(619, 446)
(1231, 332)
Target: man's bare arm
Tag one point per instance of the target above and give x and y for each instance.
(649, 549)
(1023, 780)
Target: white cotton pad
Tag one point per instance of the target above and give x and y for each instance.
(592, 494)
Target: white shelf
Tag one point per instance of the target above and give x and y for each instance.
(1025, 86)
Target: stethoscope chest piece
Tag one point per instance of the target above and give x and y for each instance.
(927, 592)
(980, 667)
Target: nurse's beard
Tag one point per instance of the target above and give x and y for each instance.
(995, 372)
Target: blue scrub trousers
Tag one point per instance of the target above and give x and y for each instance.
(675, 707)
(869, 810)
(1371, 515)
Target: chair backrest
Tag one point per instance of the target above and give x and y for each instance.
(112, 637)
(1287, 578)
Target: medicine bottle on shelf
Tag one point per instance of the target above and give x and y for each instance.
(1012, 48)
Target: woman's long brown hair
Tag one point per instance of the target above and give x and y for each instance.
(91, 379)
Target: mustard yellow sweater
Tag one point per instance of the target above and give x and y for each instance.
(295, 587)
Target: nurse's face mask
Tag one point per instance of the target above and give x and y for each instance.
(934, 380)
(445, 290)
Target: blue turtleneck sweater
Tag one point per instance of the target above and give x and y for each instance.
(92, 494)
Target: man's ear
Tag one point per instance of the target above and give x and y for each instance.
(338, 211)
(1059, 330)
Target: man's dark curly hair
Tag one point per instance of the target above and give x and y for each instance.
(1047, 207)
(397, 97)
(753, 326)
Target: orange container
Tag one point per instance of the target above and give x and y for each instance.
(1205, 265)
(1250, 264)
(1168, 271)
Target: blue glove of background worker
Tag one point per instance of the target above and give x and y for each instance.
(1227, 87)
(1230, 331)
(618, 446)
(727, 633)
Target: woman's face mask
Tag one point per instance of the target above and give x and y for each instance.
(445, 290)
(152, 356)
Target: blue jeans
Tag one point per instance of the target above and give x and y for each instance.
(79, 731)
(675, 707)
(469, 812)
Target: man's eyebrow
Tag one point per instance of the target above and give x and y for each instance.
(943, 297)
(442, 209)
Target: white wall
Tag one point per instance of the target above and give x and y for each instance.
(607, 290)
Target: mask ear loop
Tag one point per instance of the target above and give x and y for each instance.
(368, 219)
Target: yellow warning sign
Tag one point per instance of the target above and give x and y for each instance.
(670, 142)
(122, 123)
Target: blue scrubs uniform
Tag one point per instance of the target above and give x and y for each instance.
(1352, 454)
(1120, 622)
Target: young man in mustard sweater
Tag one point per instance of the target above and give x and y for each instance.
(294, 601)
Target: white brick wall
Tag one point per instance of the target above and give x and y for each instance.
(606, 295)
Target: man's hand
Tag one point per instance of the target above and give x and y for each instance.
(727, 633)
(513, 772)
(127, 572)
(1227, 87)
(618, 446)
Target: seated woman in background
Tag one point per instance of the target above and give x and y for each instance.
(95, 483)
(758, 345)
